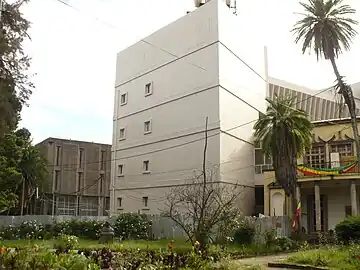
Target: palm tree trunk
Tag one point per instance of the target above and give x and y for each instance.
(347, 93)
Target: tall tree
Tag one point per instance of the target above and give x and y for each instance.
(15, 84)
(285, 133)
(327, 29)
(22, 170)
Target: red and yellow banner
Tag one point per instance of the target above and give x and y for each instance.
(309, 171)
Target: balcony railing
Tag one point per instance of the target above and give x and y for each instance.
(260, 169)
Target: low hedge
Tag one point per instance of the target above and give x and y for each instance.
(128, 226)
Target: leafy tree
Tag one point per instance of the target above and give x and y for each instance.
(22, 169)
(285, 133)
(327, 29)
(15, 84)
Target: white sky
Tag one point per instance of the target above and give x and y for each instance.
(74, 56)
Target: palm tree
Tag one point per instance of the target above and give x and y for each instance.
(285, 133)
(327, 29)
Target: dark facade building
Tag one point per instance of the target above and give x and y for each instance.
(79, 178)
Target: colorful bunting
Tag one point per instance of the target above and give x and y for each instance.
(308, 171)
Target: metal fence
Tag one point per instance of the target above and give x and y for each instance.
(162, 227)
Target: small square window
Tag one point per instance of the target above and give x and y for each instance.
(147, 127)
(121, 170)
(148, 89)
(122, 134)
(145, 201)
(123, 99)
(119, 202)
(146, 167)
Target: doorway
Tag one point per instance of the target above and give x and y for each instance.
(312, 213)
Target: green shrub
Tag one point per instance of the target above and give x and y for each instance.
(66, 242)
(88, 229)
(245, 233)
(285, 243)
(348, 229)
(26, 230)
(132, 226)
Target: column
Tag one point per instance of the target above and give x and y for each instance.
(298, 199)
(317, 207)
(353, 198)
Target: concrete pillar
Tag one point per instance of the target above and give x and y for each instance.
(317, 208)
(353, 197)
(298, 199)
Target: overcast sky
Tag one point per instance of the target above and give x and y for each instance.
(74, 53)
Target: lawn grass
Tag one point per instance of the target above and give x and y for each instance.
(93, 244)
(327, 257)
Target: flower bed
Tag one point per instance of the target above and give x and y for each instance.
(37, 258)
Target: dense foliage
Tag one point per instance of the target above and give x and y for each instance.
(132, 226)
(127, 226)
(244, 235)
(349, 229)
(15, 85)
(22, 168)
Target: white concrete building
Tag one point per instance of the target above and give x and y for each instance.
(166, 86)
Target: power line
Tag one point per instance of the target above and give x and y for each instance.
(177, 57)
(182, 144)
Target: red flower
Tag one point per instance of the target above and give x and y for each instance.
(170, 246)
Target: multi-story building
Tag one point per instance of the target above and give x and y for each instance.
(79, 178)
(321, 104)
(168, 83)
(327, 196)
(166, 86)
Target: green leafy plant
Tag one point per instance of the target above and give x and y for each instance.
(132, 226)
(348, 229)
(245, 233)
(66, 242)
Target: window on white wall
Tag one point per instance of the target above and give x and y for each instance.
(121, 170)
(123, 99)
(147, 127)
(148, 89)
(146, 166)
(122, 134)
(145, 201)
(119, 202)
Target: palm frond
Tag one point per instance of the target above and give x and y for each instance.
(326, 27)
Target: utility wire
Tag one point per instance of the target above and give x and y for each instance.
(182, 144)
(187, 143)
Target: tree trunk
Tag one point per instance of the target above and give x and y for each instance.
(22, 198)
(347, 93)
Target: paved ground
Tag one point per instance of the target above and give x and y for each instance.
(264, 260)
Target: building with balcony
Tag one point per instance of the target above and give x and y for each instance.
(79, 178)
(328, 179)
(166, 86)
(320, 105)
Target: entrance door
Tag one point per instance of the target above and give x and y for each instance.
(312, 213)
